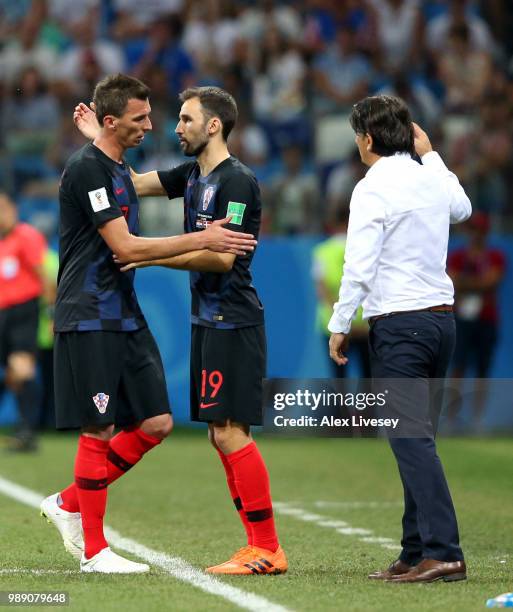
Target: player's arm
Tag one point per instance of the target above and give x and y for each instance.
(91, 187)
(460, 207)
(364, 243)
(195, 261)
(130, 248)
(147, 184)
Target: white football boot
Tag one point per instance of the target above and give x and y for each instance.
(108, 562)
(69, 525)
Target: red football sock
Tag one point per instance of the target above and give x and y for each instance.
(91, 482)
(125, 450)
(235, 496)
(251, 480)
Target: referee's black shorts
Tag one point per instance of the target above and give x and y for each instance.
(227, 369)
(18, 329)
(105, 377)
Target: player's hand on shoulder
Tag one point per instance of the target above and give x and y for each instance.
(421, 140)
(218, 238)
(84, 118)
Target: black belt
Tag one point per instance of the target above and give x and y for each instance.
(440, 308)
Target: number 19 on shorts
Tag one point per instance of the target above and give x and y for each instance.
(211, 383)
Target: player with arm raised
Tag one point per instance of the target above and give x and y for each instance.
(228, 346)
(108, 369)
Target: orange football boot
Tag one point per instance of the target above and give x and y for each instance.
(253, 560)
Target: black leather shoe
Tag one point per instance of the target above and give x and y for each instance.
(397, 568)
(429, 570)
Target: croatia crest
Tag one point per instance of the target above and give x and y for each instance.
(207, 196)
(101, 400)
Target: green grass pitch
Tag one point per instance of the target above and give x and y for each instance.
(176, 501)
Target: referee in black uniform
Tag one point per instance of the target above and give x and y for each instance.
(108, 369)
(395, 265)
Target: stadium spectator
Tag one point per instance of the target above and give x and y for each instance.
(211, 33)
(293, 196)
(399, 26)
(279, 100)
(30, 120)
(12, 15)
(133, 18)
(414, 90)
(69, 21)
(163, 48)
(320, 25)
(255, 19)
(463, 70)
(340, 184)
(26, 49)
(482, 157)
(88, 59)
(341, 74)
(22, 282)
(477, 270)
(457, 13)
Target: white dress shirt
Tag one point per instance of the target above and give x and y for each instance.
(397, 238)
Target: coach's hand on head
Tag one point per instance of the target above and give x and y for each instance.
(218, 238)
(421, 140)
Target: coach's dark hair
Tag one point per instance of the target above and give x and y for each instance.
(388, 120)
(111, 95)
(215, 102)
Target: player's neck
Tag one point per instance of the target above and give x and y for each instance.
(212, 156)
(110, 146)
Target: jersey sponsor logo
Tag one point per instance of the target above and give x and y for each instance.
(208, 193)
(236, 212)
(99, 199)
(101, 401)
(119, 190)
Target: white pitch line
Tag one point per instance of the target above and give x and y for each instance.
(355, 505)
(175, 566)
(36, 572)
(342, 527)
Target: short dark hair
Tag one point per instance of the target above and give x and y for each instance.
(111, 95)
(387, 119)
(215, 102)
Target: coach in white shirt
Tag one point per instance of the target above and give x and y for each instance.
(395, 263)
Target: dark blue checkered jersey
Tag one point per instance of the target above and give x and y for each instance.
(92, 293)
(228, 300)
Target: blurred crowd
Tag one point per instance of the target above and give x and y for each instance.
(295, 68)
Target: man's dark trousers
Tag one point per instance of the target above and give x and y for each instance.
(419, 345)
